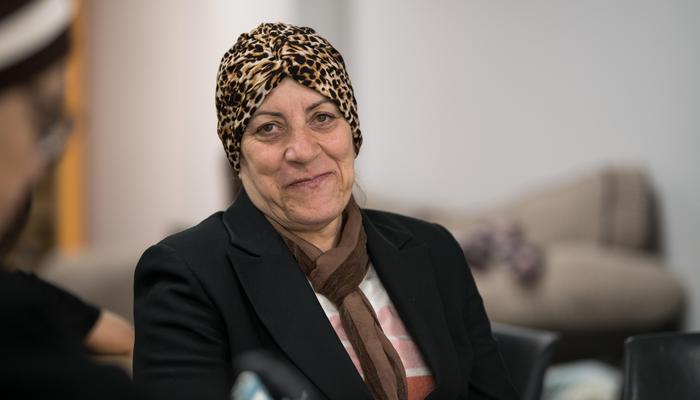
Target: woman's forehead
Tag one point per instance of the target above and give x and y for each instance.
(291, 94)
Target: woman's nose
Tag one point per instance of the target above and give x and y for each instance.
(302, 147)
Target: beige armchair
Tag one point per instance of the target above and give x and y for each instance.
(603, 278)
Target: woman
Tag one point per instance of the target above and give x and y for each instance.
(363, 303)
(44, 330)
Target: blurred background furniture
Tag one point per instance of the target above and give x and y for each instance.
(662, 366)
(526, 353)
(603, 278)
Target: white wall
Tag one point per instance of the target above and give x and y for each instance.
(463, 103)
(155, 161)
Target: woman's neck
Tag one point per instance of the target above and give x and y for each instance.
(325, 238)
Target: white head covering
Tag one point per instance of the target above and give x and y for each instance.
(33, 34)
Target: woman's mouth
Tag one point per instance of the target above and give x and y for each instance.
(310, 182)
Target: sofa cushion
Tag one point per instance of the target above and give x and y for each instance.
(611, 206)
(584, 287)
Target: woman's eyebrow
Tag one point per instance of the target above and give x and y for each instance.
(264, 112)
(318, 103)
(280, 115)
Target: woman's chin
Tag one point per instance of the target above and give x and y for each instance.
(312, 219)
(315, 209)
(314, 215)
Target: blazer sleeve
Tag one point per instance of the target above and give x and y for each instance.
(180, 350)
(489, 378)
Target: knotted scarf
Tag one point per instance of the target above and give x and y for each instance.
(337, 274)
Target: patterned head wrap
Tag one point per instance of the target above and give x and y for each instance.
(260, 60)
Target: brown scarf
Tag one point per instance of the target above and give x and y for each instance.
(337, 274)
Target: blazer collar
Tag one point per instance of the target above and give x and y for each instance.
(286, 304)
(404, 266)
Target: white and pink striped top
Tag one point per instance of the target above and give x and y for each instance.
(419, 377)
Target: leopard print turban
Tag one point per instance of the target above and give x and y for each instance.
(260, 60)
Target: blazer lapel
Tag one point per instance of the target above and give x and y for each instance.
(286, 304)
(404, 267)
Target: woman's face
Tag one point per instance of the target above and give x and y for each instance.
(298, 158)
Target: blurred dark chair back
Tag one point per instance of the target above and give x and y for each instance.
(526, 353)
(662, 366)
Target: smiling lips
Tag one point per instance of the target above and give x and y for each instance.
(310, 181)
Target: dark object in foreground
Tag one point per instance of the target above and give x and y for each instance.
(280, 379)
(526, 353)
(662, 366)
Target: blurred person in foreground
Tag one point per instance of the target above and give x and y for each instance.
(45, 330)
(363, 303)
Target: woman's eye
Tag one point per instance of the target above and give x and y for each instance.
(267, 129)
(324, 118)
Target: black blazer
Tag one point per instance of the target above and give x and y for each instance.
(229, 284)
